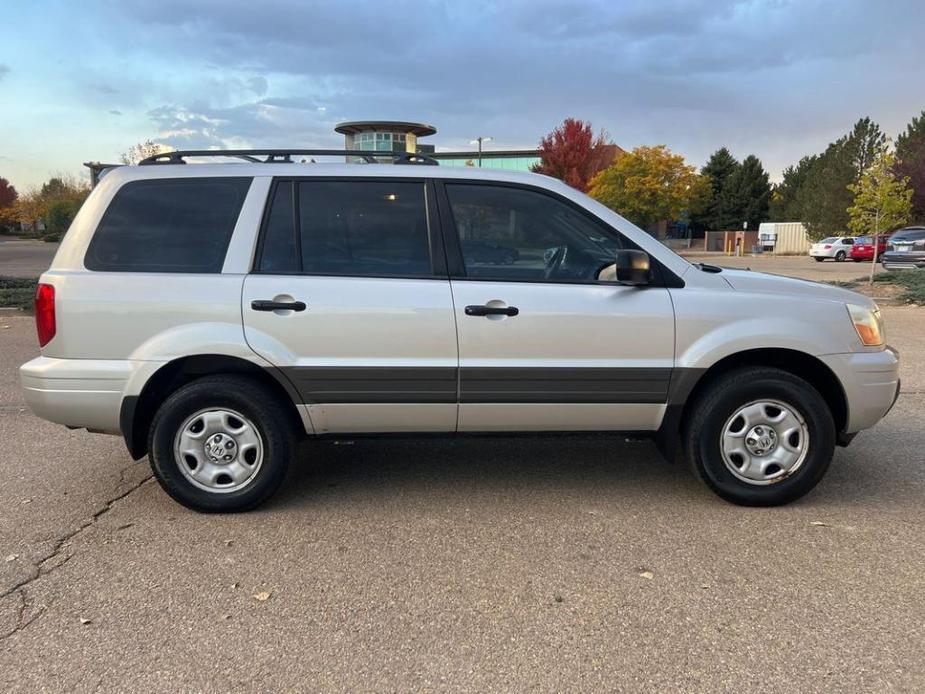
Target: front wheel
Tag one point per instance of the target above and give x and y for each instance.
(221, 444)
(760, 437)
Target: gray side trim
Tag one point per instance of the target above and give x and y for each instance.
(345, 385)
(564, 385)
(361, 384)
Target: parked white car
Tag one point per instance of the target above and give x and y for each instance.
(213, 314)
(836, 247)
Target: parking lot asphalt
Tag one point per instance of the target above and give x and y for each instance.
(801, 266)
(483, 564)
(25, 257)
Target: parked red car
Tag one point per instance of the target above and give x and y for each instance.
(863, 248)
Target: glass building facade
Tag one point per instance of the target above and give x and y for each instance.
(521, 160)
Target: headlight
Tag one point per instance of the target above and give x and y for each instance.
(867, 323)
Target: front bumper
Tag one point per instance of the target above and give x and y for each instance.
(871, 384)
(79, 393)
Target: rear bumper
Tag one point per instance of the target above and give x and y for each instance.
(903, 261)
(79, 393)
(871, 384)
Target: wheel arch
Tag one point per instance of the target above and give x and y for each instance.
(137, 411)
(687, 384)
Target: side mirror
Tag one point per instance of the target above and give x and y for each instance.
(632, 268)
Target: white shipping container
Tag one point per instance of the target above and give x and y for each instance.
(784, 237)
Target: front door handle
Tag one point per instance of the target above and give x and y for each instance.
(265, 305)
(492, 310)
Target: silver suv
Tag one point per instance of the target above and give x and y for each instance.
(214, 313)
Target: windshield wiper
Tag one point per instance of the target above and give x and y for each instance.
(708, 268)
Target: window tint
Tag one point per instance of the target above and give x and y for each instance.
(373, 228)
(279, 253)
(916, 235)
(514, 234)
(168, 225)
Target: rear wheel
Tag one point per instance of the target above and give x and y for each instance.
(818, 259)
(760, 437)
(221, 443)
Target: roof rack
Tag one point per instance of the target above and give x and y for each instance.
(284, 156)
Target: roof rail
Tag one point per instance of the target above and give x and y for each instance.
(284, 156)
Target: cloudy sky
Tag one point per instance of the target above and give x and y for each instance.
(85, 80)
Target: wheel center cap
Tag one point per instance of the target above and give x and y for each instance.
(761, 440)
(221, 448)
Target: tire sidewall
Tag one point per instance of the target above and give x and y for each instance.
(200, 396)
(798, 395)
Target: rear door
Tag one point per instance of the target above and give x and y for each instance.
(544, 345)
(349, 297)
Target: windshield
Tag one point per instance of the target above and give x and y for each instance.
(864, 240)
(831, 239)
(916, 235)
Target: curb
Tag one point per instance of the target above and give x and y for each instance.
(9, 310)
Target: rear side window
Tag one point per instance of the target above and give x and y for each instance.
(168, 225)
(355, 228)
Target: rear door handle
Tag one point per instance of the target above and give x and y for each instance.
(492, 310)
(265, 305)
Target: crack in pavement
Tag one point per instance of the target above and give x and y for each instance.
(55, 559)
(21, 621)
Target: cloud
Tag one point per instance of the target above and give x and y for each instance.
(4, 70)
(780, 78)
(115, 112)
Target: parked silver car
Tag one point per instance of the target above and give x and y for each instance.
(214, 313)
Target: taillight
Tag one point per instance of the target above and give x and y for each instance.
(826, 246)
(45, 313)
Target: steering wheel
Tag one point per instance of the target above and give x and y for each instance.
(555, 262)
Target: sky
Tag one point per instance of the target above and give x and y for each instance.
(86, 80)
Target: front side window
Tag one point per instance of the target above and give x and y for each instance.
(353, 228)
(168, 225)
(515, 234)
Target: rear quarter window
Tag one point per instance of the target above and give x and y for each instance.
(168, 225)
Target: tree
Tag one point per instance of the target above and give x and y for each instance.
(910, 163)
(650, 184)
(8, 193)
(143, 150)
(746, 195)
(785, 196)
(60, 214)
(824, 198)
(8, 196)
(573, 154)
(62, 192)
(717, 171)
(881, 200)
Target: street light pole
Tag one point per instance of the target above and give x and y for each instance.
(479, 140)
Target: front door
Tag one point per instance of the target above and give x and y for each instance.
(543, 345)
(350, 299)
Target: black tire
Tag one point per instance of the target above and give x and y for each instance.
(252, 400)
(720, 400)
(840, 257)
(857, 260)
(818, 259)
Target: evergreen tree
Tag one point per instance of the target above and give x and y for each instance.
(824, 197)
(785, 203)
(717, 170)
(910, 163)
(746, 195)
